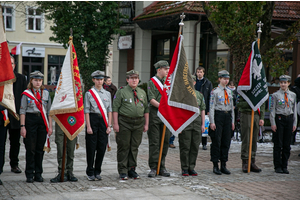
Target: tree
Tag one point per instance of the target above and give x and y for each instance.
(92, 22)
(235, 24)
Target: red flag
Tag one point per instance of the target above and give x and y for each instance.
(178, 105)
(67, 106)
(7, 76)
(16, 50)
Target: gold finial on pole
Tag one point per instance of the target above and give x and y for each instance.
(181, 24)
(259, 31)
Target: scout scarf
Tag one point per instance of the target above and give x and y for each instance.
(103, 112)
(157, 84)
(39, 105)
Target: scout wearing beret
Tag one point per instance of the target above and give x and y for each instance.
(221, 117)
(155, 88)
(283, 118)
(190, 137)
(97, 110)
(131, 118)
(35, 125)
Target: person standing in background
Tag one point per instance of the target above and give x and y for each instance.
(110, 87)
(296, 90)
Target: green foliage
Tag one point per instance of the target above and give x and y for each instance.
(235, 24)
(213, 70)
(94, 22)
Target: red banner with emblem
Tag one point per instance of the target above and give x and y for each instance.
(67, 106)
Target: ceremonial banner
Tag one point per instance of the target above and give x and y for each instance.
(178, 105)
(253, 83)
(7, 76)
(67, 106)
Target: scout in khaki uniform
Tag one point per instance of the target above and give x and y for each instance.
(221, 118)
(131, 118)
(155, 88)
(35, 125)
(190, 138)
(97, 110)
(283, 118)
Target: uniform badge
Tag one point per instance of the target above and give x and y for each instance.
(130, 100)
(141, 104)
(125, 100)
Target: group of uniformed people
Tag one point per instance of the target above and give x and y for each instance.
(132, 115)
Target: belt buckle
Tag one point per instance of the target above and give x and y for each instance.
(225, 111)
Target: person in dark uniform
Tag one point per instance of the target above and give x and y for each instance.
(204, 86)
(14, 126)
(97, 109)
(155, 124)
(221, 118)
(190, 138)
(296, 90)
(131, 119)
(35, 125)
(3, 133)
(283, 118)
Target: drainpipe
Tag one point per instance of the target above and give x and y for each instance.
(195, 40)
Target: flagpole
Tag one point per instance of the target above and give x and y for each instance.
(181, 24)
(252, 113)
(62, 175)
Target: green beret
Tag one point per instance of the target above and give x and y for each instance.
(161, 64)
(37, 75)
(223, 74)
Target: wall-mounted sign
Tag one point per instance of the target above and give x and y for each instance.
(33, 52)
(125, 42)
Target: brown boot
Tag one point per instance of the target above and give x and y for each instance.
(245, 165)
(253, 167)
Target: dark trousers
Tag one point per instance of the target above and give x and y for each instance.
(3, 131)
(14, 138)
(204, 141)
(282, 140)
(221, 137)
(95, 142)
(293, 140)
(34, 144)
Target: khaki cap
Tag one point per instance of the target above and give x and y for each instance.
(223, 74)
(132, 73)
(37, 75)
(98, 74)
(162, 64)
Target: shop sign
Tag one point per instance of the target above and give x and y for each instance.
(33, 52)
(125, 42)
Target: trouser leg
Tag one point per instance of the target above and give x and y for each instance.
(40, 143)
(136, 139)
(286, 148)
(225, 139)
(14, 138)
(59, 140)
(3, 134)
(102, 140)
(184, 147)
(195, 142)
(70, 154)
(277, 140)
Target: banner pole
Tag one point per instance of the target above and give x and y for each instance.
(62, 175)
(161, 149)
(252, 113)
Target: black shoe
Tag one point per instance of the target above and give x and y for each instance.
(71, 177)
(152, 173)
(285, 171)
(204, 147)
(278, 170)
(185, 172)
(164, 172)
(123, 176)
(98, 177)
(38, 178)
(29, 180)
(133, 174)
(224, 170)
(57, 178)
(193, 173)
(216, 169)
(1, 182)
(16, 170)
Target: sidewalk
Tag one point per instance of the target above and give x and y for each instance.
(238, 185)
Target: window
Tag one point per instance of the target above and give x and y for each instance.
(34, 20)
(54, 67)
(8, 17)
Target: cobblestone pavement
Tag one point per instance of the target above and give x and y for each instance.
(238, 185)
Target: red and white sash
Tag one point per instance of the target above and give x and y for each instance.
(157, 84)
(41, 108)
(100, 105)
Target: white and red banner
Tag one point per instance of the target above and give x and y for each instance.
(7, 76)
(67, 106)
(158, 84)
(16, 50)
(178, 105)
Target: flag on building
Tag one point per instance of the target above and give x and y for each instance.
(7, 76)
(16, 50)
(178, 105)
(67, 106)
(253, 83)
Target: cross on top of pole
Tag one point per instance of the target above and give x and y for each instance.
(182, 16)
